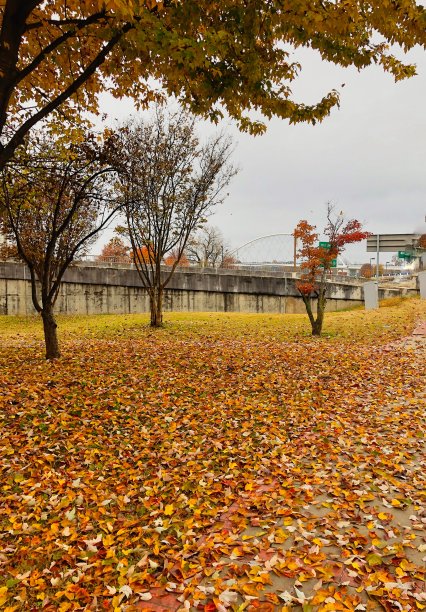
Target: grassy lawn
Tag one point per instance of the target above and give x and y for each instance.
(224, 462)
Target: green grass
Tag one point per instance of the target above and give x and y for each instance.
(396, 317)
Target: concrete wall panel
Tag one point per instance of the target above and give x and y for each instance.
(89, 290)
(98, 299)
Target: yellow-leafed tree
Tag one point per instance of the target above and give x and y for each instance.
(57, 56)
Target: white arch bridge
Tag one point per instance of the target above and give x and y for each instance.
(272, 249)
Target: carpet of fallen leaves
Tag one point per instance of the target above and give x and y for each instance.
(225, 462)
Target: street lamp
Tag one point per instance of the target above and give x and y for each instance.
(371, 266)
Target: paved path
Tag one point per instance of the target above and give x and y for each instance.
(420, 329)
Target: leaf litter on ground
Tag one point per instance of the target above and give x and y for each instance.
(229, 461)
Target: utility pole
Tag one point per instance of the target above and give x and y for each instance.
(377, 257)
(295, 253)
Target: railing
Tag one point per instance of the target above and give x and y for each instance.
(260, 270)
(265, 270)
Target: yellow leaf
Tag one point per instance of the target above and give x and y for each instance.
(3, 595)
(168, 510)
(251, 589)
(376, 542)
(108, 540)
(374, 559)
(407, 566)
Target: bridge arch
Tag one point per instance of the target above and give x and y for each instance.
(270, 249)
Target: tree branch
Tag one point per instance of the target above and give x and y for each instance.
(56, 283)
(55, 44)
(20, 133)
(56, 23)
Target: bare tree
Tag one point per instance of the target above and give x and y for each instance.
(56, 198)
(170, 182)
(207, 248)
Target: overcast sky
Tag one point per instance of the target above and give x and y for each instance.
(368, 158)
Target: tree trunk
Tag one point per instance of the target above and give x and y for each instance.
(317, 328)
(156, 304)
(308, 305)
(50, 334)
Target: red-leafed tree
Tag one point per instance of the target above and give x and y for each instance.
(366, 271)
(143, 254)
(317, 260)
(173, 257)
(115, 251)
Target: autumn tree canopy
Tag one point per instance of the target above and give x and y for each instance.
(368, 271)
(173, 258)
(317, 259)
(421, 244)
(55, 198)
(233, 55)
(115, 251)
(144, 254)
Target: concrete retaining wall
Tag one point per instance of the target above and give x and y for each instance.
(89, 290)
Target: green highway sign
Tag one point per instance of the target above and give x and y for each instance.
(333, 264)
(327, 245)
(404, 255)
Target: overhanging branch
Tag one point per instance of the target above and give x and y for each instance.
(55, 44)
(20, 133)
